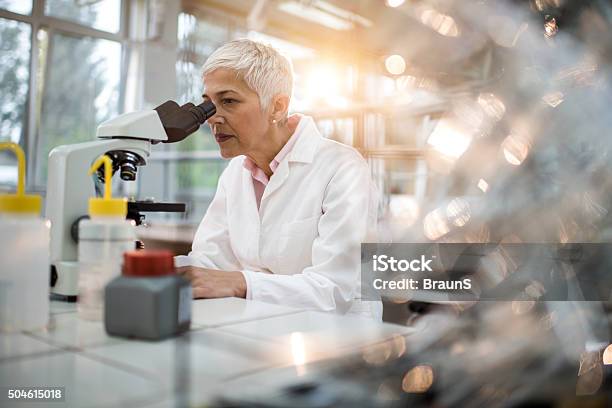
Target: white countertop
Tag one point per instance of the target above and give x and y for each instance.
(230, 339)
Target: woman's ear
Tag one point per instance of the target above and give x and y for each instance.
(280, 106)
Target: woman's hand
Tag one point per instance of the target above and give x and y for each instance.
(213, 283)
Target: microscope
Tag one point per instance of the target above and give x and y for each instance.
(127, 140)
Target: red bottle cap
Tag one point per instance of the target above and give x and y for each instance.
(148, 263)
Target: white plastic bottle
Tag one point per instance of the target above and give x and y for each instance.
(24, 256)
(102, 241)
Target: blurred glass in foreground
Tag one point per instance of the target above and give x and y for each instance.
(522, 151)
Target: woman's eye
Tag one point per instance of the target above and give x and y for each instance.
(229, 100)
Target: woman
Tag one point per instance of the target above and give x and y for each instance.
(291, 208)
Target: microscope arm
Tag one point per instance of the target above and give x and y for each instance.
(69, 188)
(127, 138)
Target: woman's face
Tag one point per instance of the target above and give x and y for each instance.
(239, 124)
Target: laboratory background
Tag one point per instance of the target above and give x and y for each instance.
(481, 121)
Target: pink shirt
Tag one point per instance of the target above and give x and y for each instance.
(260, 180)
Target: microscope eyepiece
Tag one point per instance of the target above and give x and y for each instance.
(203, 111)
(181, 121)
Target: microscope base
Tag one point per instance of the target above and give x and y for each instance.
(67, 283)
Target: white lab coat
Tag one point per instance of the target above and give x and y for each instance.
(302, 248)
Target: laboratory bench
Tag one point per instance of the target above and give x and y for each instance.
(233, 344)
(174, 236)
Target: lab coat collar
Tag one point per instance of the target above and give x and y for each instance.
(303, 152)
(307, 143)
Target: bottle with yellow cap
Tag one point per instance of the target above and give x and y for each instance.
(102, 241)
(24, 256)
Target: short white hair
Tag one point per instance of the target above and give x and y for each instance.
(265, 70)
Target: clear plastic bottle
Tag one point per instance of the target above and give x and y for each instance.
(102, 241)
(24, 256)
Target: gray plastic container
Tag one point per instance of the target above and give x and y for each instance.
(147, 308)
(149, 301)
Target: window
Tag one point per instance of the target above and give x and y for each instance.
(101, 14)
(17, 6)
(75, 48)
(14, 79)
(81, 90)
